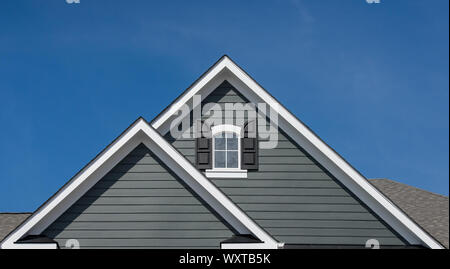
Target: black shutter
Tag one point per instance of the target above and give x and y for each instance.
(249, 146)
(203, 146)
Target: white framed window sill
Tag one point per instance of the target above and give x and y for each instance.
(226, 173)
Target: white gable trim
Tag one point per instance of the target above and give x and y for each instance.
(246, 246)
(138, 132)
(226, 69)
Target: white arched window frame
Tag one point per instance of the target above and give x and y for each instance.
(226, 132)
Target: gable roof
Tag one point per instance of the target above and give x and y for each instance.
(429, 210)
(139, 132)
(226, 69)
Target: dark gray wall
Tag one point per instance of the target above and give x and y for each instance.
(140, 204)
(293, 197)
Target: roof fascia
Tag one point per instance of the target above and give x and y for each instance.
(52, 208)
(305, 137)
(138, 132)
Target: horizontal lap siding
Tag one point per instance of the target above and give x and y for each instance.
(292, 197)
(139, 204)
(149, 243)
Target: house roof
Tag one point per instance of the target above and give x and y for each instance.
(139, 132)
(429, 210)
(9, 221)
(226, 69)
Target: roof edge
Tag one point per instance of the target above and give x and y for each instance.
(301, 132)
(139, 130)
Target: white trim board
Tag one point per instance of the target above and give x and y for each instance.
(226, 69)
(139, 132)
(246, 246)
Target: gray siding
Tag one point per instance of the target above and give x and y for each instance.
(293, 198)
(140, 204)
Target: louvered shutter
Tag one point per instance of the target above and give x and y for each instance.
(203, 145)
(249, 146)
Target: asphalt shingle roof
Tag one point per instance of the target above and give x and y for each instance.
(429, 210)
(9, 221)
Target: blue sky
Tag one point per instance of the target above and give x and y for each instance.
(371, 80)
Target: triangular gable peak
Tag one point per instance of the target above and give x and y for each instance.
(140, 132)
(226, 70)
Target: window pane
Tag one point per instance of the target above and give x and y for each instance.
(219, 143)
(219, 159)
(232, 159)
(232, 143)
(230, 135)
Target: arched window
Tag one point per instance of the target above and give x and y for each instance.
(226, 148)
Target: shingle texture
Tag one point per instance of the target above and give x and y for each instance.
(9, 221)
(429, 210)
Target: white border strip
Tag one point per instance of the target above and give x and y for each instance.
(245, 246)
